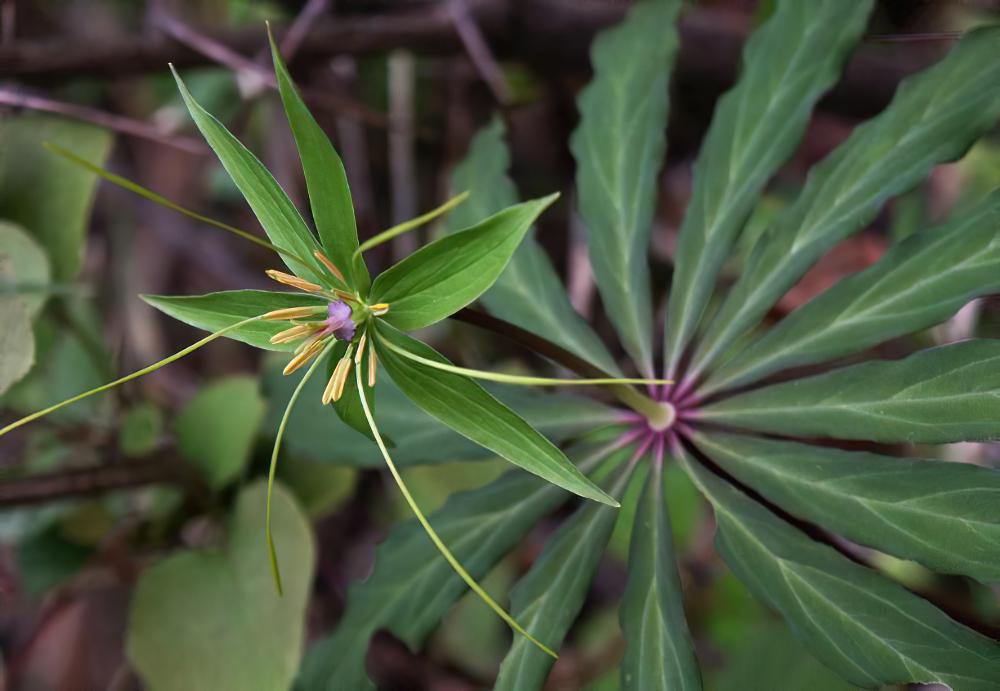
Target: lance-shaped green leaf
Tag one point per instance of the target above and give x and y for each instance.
(868, 629)
(920, 282)
(659, 653)
(619, 147)
(272, 207)
(216, 311)
(943, 515)
(470, 410)
(937, 396)
(443, 277)
(549, 597)
(933, 118)
(528, 292)
(788, 64)
(326, 180)
(411, 586)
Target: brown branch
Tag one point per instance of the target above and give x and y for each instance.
(116, 123)
(552, 34)
(80, 482)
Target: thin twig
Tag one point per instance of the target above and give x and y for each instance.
(402, 156)
(479, 50)
(223, 55)
(117, 123)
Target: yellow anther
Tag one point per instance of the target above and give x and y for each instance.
(329, 265)
(294, 333)
(289, 313)
(307, 354)
(361, 348)
(345, 296)
(335, 389)
(293, 281)
(372, 365)
(379, 309)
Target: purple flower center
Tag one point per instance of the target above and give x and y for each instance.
(338, 320)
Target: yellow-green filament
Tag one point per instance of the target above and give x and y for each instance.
(271, 552)
(129, 377)
(412, 224)
(513, 378)
(432, 534)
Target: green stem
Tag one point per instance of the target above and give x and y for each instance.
(432, 534)
(271, 551)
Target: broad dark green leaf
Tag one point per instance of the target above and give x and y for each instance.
(940, 395)
(788, 64)
(933, 118)
(470, 410)
(619, 147)
(47, 195)
(943, 515)
(548, 598)
(868, 629)
(212, 619)
(659, 653)
(528, 292)
(326, 181)
(412, 587)
(316, 435)
(216, 311)
(217, 429)
(920, 282)
(272, 207)
(443, 277)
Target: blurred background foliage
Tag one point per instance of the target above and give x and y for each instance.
(118, 513)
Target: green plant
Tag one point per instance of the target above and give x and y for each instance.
(721, 420)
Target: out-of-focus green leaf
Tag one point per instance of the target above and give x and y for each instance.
(212, 619)
(46, 195)
(326, 181)
(17, 339)
(470, 410)
(320, 487)
(659, 653)
(788, 64)
(217, 429)
(933, 118)
(216, 311)
(868, 629)
(937, 396)
(48, 559)
(443, 277)
(412, 586)
(548, 598)
(528, 292)
(71, 357)
(942, 515)
(140, 430)
(317, 435)
(773, 659)
(272, 207)
(619, 147)
(918, 283)
(28, 268)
